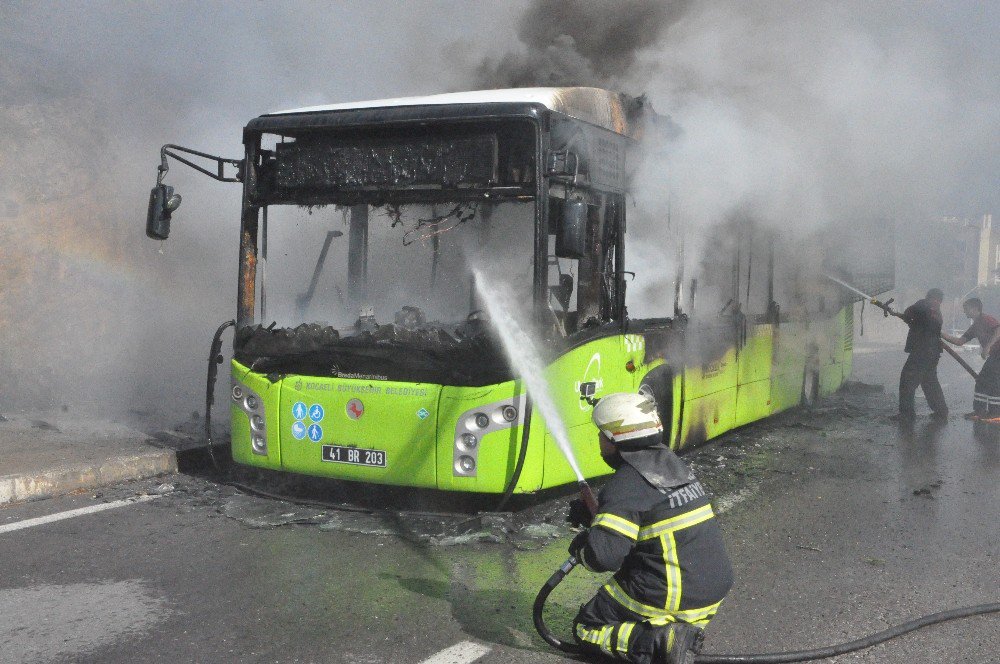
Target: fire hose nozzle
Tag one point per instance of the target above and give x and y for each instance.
(587, 494)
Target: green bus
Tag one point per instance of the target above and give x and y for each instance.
(361, 350)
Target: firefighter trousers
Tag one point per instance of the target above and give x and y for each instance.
(921, 371)
(605, 627)
(986, 401)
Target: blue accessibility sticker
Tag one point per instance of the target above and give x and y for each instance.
(315, 412)
(423, 414)
(299, 410)
(299, 430)
(315, 432)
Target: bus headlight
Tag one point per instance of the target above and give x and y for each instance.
(466, 465)
(253, 407)
(474, 425)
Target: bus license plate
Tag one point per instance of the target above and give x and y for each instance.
(354, 455)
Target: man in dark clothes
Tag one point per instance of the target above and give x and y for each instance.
(986, 399)
(656, 530)
(923, 343)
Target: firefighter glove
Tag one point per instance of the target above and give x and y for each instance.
(576, 546)
(579, 515)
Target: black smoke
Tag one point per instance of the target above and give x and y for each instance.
(579, 43)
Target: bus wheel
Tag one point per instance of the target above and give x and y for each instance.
(810, 387)
(658, 385)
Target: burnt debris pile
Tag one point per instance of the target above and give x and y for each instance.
(430, 352)
(255, 341)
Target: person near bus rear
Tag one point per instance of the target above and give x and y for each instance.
(656, 530)
(986, 398)
(923, 345)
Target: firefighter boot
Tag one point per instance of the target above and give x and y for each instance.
(682, 643)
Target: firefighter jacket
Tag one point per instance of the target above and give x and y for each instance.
(666, 547)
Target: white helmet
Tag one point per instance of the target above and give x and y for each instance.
(626, 417)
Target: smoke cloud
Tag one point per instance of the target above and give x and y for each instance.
(841, 116)
(578, 42)
(94, 315)
(803, 115)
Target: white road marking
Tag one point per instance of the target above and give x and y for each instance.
(69, 514)
(460, 653)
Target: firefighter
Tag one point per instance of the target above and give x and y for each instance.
(923, 345)
(986, 399)
(655, 528)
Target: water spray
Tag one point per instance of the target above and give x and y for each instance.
(527, 362)
(889, 311)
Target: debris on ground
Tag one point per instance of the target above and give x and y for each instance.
(45, 426)
(859, 387)
(256, 513)
(926, 490)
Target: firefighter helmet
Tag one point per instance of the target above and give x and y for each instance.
(625, 417)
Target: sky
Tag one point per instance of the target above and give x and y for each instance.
(804, 114)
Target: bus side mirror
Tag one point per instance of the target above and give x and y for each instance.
(162, 202)
(571, 240)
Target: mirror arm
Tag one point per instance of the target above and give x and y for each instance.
(170, 150)
(555, 172)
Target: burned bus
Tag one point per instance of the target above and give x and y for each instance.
(362, 351)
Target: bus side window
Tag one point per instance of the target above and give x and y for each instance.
(562, 278)
(597, 288)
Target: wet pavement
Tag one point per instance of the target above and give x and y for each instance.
(839, 524)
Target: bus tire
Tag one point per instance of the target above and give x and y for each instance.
(810, 386)
(658, 385)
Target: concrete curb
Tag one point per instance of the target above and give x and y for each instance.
(45, 484)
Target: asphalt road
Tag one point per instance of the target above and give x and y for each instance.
(839, 524)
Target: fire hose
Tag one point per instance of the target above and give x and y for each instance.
(214, 360)
(887, 311)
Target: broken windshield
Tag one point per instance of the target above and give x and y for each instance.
(375, 289)
(358, 267)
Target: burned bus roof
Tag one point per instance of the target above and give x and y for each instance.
(614, 111)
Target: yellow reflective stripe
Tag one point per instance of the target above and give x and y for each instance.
(624, 634)
(644, 610)
(694, 517)
(606, 639)
(698, 615)
(617, 524)
(673, 568)
(583, 559)
(592, 636)
(600, 637)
